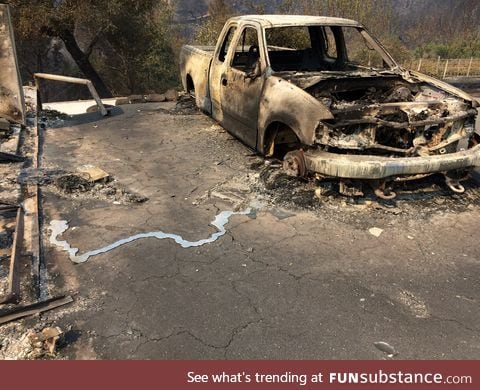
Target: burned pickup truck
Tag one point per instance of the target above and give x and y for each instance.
(326, 96)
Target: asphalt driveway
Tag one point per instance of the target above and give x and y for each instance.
(288, 280)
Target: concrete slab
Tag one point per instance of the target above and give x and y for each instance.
(75, 107)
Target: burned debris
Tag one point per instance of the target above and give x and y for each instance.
(20, 276)
(20, 265)
(392, 118)
(34, 344)
(82, 185)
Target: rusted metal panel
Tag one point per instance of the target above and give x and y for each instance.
(12, 106)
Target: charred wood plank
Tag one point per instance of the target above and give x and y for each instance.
(9, 157)
(13, 292)
(36, 308)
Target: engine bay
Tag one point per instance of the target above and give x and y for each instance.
(392, 117)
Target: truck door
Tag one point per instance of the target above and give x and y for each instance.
(218, 68)
(241, 85)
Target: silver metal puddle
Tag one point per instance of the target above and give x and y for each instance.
(59, 227)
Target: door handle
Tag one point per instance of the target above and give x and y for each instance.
(224, 81)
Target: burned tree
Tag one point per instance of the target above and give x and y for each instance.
(44, 18)
(118, 45)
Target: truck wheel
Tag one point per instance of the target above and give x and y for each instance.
(191, 87)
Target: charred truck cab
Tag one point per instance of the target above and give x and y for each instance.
(327, 97)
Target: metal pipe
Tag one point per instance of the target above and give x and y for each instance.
(66, 79)
(74, 80)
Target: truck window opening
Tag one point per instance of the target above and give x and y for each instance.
(226, 43)
(247, 53)
(320, 48)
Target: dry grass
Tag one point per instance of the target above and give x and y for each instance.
(443, 68)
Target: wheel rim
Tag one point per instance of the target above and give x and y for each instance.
(294, 163)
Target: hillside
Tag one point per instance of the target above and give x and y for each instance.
(409, 12)
(412, 12)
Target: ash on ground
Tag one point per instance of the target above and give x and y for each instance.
(51, 118)
(267, 183)
(420, 198)
(185, 106)
(76, 186)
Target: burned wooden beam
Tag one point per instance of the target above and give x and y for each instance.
(4, 124)
(6, 206)
(32, 234)
(13, 292)
(36, 308)
(9, 157)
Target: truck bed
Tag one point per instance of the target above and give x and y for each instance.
(195, 62)
(206, 51)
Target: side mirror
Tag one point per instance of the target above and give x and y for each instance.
(255, 73)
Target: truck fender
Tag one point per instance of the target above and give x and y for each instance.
(285, 103)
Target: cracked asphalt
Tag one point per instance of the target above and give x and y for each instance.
(281, 284)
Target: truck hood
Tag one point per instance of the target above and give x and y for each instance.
(306, 80)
